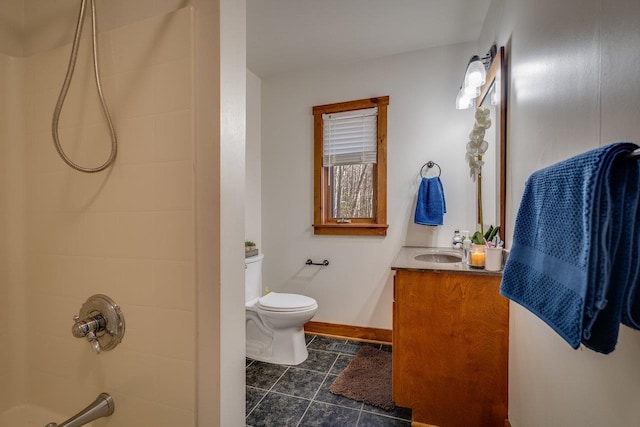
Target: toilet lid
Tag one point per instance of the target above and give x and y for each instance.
(275, 301)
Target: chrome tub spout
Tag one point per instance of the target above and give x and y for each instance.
(103, 406)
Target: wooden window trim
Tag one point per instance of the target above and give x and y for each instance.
(322, 223)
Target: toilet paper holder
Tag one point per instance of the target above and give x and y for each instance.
(322, 264)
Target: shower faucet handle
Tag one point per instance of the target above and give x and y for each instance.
(93, 340)
(89, 328)
(101, 322)
(92, 324)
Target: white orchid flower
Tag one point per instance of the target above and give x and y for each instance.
(477, 145)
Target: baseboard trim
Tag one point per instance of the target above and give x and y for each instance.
(417, 424)
(358, 333)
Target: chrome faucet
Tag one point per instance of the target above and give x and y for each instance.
(103, 406)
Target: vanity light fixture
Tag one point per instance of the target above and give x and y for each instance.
(463, 101)
(474, 77)
(476, 74)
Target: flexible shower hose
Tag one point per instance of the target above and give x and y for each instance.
(65, 88)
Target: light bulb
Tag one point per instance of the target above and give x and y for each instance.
(463, 101)
(475, 75)
(471, 91)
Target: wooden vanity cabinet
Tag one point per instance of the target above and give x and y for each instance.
(450, 348)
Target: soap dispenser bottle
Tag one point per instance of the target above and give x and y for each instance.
(466, 247)
(456, 242)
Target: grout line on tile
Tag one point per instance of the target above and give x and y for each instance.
(360, 408)
(268, 391)
(313, 399)
(383, 415)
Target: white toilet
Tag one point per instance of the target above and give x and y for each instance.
(275, 322)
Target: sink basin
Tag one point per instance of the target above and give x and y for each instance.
(439, 257)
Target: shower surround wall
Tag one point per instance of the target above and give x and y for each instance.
(127, 232)
(4, 288)
(12, 260)
(6, 335)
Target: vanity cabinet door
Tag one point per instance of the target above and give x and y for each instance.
(450, 348)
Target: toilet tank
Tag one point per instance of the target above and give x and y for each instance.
(253, 277)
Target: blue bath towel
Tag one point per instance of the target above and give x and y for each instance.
(573, 260)
(430, 206)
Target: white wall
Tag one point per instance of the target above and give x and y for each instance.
(574, 86)
(356, 289)
(253, 199)
(233, 101)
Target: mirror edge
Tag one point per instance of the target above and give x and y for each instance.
(498, 73)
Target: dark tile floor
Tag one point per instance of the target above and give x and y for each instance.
(283, 396)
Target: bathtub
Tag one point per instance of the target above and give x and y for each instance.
(30, 416)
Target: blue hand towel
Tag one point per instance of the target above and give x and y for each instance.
(430, 206)
(572, 261)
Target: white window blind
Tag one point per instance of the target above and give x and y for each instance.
(350, 137)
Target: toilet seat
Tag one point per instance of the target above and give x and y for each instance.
(278, 302)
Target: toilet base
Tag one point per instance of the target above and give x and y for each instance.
(284, 347)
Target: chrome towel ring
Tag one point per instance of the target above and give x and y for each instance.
(429, 165)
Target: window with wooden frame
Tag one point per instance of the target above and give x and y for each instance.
(350, 167)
